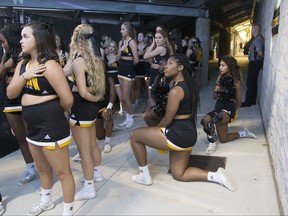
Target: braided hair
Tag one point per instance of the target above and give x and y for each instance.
(190, 79)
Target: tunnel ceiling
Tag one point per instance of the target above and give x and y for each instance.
(179, 14)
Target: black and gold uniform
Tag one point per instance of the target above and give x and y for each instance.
(140, 68)
(126, 67)
(181, 133)
(83, 113)
(47, 124)
(112, 70)
(154, 72)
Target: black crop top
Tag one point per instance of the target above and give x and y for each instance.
(127, 51)
(112, 67)
(37, 86)
(158, 58)
(227, 88)
(185, 106)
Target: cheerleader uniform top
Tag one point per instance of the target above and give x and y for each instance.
(38, 86)
(127, 52)
(62, 58)
(185, 106)
(111, 68)
(158, 58)
(141, 57)
(227, 88)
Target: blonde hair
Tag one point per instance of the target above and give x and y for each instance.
(81, 45)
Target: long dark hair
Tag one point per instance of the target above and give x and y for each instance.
(190, 79)
(13, 36)
(45, 42)
(234, 69)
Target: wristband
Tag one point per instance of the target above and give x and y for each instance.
(110, 105)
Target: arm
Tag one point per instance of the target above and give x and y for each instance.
(107, 114)
(55, 76)
(18, 81)
(119, 50)
(4, 67)
(79, 72)
(217, 88)
(134, 49)
(238, 94)
(175, 95)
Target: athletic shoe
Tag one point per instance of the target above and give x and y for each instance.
(212, 147)
(116, 128)
(130, 123)
(40, 207)
(76, 158)
(249, 134)
(139, 179)
(27, 177)
(124, 123)
(107, 148)
(225, 180)
(84, 195)
(2, 208)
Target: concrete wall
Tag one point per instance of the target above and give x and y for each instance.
(273, 91)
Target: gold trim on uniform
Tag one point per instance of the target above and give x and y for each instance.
(82, 124)
(124, 78)
(12, 109)
(51, 145)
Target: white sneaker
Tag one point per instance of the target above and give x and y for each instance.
(139, 179)
(116, 128)
(130, 123)
(249, 134)
(84, 195)
(40, 207)
(212, 147)
(2, 208)
(107, 148)
(124, 123)
(226, 181)
(27, 177)
(76, 158)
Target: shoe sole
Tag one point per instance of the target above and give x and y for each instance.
(230, 184)
(214, 150)
(135, 180)
(86, 198)
(48, 209)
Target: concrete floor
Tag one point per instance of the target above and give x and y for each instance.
(248, 163)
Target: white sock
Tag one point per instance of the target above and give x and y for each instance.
(46, 196)
(242, 133)
(88, 185)
(31, 168)
(97, 171)
(130, 116)
(213, 176)
(107, 140)
(68, 208)
(144, 171)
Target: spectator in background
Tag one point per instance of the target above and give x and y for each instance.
(256, 56)
(63, 55)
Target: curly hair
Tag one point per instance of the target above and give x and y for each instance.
(82, 45)
(234, 69)
(190, 79)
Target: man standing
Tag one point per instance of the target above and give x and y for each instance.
(256, 56)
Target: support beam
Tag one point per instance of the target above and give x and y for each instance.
(107, 6)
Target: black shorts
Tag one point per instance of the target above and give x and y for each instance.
(114, 75)
(140, 70)
(181, 134)
(228, 107)
(126, 70)
(12, 106)
(47, 125)
(153, 75)
(83, 113)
